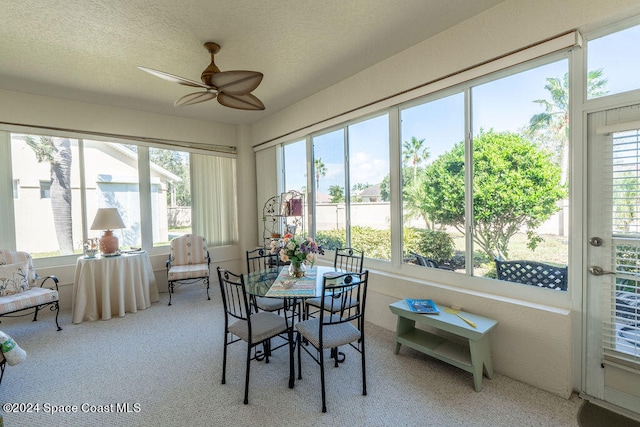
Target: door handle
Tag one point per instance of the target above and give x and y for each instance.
(598, 271)
(596, 241)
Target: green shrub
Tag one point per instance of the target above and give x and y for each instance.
(437, 245)
(375, 243)
(331, 239)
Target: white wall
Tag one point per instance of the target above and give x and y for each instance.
(27, 109)
(532, 342)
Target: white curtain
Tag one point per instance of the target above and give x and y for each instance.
(214, 211)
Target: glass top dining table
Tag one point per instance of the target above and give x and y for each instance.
(276, 282)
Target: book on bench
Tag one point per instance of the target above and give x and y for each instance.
(424, 306)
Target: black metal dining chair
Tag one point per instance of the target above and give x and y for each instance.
(242, 323)
(337, 328)
(347, 259)
(263, 259)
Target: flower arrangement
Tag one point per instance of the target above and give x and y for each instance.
(296, 249)
(91, 247)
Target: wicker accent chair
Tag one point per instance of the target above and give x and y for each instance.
(263, 259)
(335, 330)
(188, 262)
(533, 273)
(241, 323)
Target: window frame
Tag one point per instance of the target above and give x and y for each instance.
(7, 228)
(344, 128)
(396, 266)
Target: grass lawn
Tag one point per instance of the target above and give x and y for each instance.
(552, 250)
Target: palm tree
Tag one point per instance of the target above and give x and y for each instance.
(337, 194)
(552, 125)
(321, 170)
(413, 152)
(57, 151)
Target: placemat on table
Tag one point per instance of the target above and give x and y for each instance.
(302, 286)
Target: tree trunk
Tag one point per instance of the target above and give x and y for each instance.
(61, 194)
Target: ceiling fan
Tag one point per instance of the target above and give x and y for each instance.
(232, 88)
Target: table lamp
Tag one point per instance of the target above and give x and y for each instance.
(108, 219)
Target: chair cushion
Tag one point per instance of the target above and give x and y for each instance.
(190, 271)
(315, 302)
(332, 335)
(29, 298)
(269, 304)
(13, 257)
(263, 325)
(188, 249)
(14, 278)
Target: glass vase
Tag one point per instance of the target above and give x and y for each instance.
(297, 269)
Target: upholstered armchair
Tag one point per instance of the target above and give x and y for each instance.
(188, 262)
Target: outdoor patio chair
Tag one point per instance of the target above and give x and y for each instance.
(428, 262)
(533, 273)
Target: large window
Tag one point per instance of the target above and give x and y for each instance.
(48, 218)
(484, 176)
(433, 193)
(329, 185)
(170, 194)
(350, 167)
(513, 199)
(60, 183)
(111, 181)
(295, 179)
(520, 168)
(612, 63)
(295, 166)
(369, 213)
(483, 165)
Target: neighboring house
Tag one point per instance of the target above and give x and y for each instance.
(371, 194)
(111, 180)
(322, 197)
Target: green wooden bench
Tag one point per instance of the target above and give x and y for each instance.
(474, 356)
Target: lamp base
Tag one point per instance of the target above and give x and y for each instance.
(109, 243)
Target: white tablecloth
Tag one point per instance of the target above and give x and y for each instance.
(106, 286)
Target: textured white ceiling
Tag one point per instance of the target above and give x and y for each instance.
(88, 50)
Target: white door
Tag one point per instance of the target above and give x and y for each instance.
(611, 371)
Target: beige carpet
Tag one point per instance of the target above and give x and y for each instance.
(165, 362)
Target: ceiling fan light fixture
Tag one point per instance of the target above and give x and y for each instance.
(236, 82)
(232, 88)
(240, 102)
(195, 98)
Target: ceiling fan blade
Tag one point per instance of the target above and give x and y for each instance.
(241, 102)
(194, 98)
(236, 82)
(174, 79)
